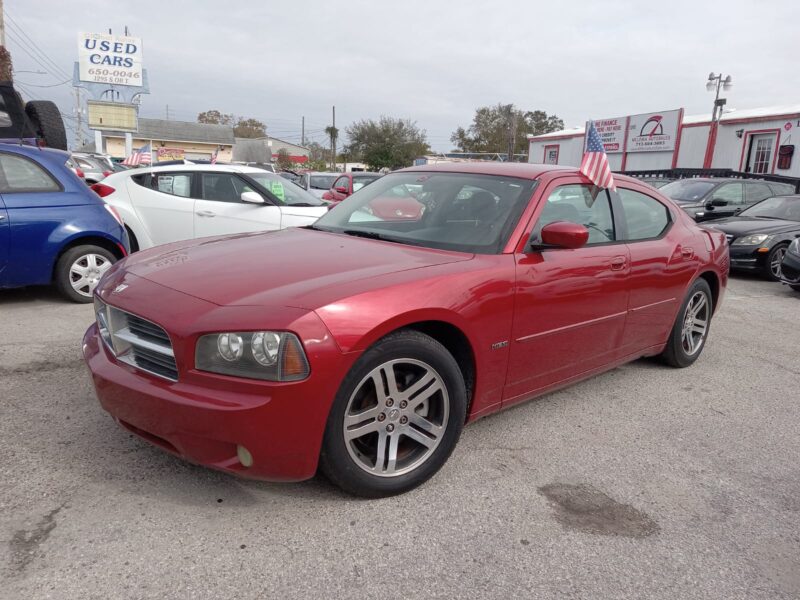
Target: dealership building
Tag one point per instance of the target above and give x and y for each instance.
(759, 141)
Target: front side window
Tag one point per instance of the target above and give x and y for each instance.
(450, 211)
(645, 217)
(176, 184)
(730, 193)
(687, 190)
(18, 174)
(279, 191)
(580, 204)
(223, 187)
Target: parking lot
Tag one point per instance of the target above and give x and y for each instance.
(643, 482)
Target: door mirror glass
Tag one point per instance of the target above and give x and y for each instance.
(564, 234)
(341, 189)
(252, 197)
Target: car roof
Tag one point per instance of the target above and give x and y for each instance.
(218, 168)
(35, 151)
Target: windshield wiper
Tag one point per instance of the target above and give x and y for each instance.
(365, 234)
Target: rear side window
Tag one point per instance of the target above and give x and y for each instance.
(18, 174)
(757, 191)
(176, 184)
(782, 189)
(645, 218)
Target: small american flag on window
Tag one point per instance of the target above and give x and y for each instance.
(595, 162)
(139, 156)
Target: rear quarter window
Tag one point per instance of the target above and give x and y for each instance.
(20, 174)
(645, 217)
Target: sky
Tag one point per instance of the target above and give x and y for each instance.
(431, 61)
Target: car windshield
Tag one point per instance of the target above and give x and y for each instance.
(449, 211)
(687, 190)
(782, 207)
(322, 182)
(285, 191)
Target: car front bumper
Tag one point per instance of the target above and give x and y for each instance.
(280, 424)
(747, 258)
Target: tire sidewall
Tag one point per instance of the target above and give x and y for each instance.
(66, 261)
(682, 359)
(336, 461)
(768, 263)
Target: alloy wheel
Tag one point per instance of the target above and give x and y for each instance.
(695, 323)
(396, 417)
(775, 263)
(86, 271)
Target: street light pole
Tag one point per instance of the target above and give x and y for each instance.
(715, 83)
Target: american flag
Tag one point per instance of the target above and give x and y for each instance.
(139, 156)
(595, 162)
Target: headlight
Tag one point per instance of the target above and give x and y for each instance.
(101, 314)
(794, 247)
(268, 355)
(752, 240)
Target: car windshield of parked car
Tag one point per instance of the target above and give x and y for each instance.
(286, 192)
(449, 211)
(687, 190)
(322, 182)
(780, 207)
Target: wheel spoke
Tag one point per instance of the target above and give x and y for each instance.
(91, 259)
(689, 341)
(418, 436)
(426, 393)
(104, 265)
(79, 270)
(79, 284)
(699, 305)
(387, 372)
(360, 428)
(698, 328)
(380, 454)
(391, 465)
(422, 423)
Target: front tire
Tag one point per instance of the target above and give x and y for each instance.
(79, 270)
(772, 266)
(396, 418)
(690, 331)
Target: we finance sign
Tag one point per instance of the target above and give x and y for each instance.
(114, 59)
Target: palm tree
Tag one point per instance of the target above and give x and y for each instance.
(333, 134)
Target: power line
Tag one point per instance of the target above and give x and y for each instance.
(45, 86)
(18, 30)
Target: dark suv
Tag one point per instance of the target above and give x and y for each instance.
(706, 198)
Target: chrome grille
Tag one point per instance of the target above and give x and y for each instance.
(136, 341)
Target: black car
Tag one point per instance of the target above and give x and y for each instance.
(706, 198)
(759, 236)
(790, 267)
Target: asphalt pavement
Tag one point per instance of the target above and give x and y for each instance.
(644, 482)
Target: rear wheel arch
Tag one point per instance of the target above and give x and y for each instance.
(89, 240)
(712, 279)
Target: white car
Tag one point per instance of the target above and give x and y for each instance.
(317, 182)
(178, 202)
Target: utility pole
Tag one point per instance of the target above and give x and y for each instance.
(79, 117)
(333, 141)
(303, 132)
(2, 25)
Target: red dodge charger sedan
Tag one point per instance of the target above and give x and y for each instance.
(252, 355)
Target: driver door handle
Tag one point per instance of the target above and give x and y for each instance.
(687, 252)
(205, 213)
(617, 263)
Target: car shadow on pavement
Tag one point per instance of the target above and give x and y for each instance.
(31, 294)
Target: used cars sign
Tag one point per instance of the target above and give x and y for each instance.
(114, 59)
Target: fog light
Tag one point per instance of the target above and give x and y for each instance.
(244, 456)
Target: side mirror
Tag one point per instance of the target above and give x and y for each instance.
(718, 202)
(252, 197)
(564, 234)
(342, 190)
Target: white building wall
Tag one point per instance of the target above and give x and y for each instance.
(693, 147)
(570, 151)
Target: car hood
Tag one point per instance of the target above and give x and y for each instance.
(738, 226)
(292, 267)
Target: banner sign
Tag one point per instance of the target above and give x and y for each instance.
(113, 59)
(653, 132)
(612, 133)
(171, 154)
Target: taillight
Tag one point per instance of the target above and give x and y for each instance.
(107, 173)
(103, 190)
(80, 173)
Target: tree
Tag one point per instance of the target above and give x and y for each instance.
(249, 128)
(242, 127)
(284, 162)
(317, 156)
(215, 117)
(388, 143)
(333, 134)
(496, 128)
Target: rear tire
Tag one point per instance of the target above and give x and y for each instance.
(690, 331)
(396, 417)
(47, 123)
(79, 270)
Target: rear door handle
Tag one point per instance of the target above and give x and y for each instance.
(687, 252)
(617, 263)
(205, 213)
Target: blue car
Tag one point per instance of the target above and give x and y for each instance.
(53, 228)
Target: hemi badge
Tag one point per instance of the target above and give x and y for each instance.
(498, 345)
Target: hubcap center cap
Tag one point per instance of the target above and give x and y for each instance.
(394, 414)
